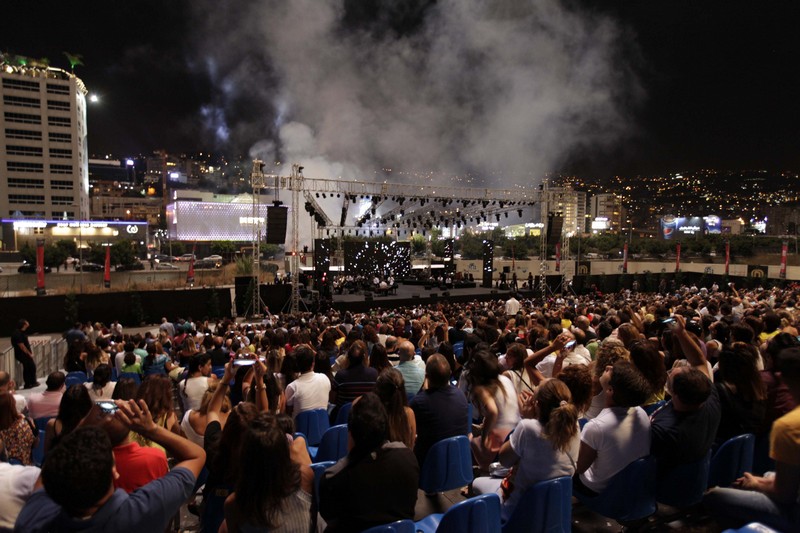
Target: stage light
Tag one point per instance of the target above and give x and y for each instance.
(323, 195)
(519, 212)
(506, 214)
(317, 195)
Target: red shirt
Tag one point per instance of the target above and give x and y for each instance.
(138, 465)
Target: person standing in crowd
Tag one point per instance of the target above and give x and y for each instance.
(24, 354)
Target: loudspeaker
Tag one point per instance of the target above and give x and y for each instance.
(446, 294)
(488, 264)
(415, 296)
(276, 224)
(506, 270)
(555, 224)
(493, 291)
(434, 295)
(367, 296)
(322, 255)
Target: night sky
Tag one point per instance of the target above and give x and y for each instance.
(718, 82)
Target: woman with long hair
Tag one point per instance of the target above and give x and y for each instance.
(649, 361)
(194, 422)
(75, 358)
(101, 387)
(17, 432)
(125, 389)
(496, 401)
(273, 492)
(355, 379)
(542, 447)
(197, 380)
(75, 404)
(742, 393)
(156, 391)
(378, 359)
(391, 389)
(156, 362)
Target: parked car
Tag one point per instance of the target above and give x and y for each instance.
(185, 258)
(159, 258)
(166, 266)
(206, 263)
(30, 268)
(136, 265)
(90, 267)
(214, 257)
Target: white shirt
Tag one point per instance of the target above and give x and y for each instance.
(512, 306)
(192, 395)
(101, 394)
(309, 391)
(545, 366)
(16, 486)
(619, 435)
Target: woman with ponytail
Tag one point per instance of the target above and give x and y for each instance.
(543, 447)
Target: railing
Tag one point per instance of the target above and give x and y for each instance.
(47, 354)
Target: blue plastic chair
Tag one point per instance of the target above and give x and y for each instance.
(312, 424)
(683, 485)
(333, 445)
(447, 466)
(38, 451)
(76, 378)
(653, 407)
(213, 508)
(732, 460)
(218, 371)
(469, 418)
(343, 414)
(629, 496)
(319, 470)
(480, 514)
(132, 375)
(41, 422)
(458, 349)
(401, 526)
(754, 527)
(544, 507)
(762, 462)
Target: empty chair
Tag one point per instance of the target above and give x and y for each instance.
(132, 375)
(480, 514)
(319, 471)
(732, 460)
(448, 465)
(312, 424)
(401, 526)
(344, 412)
(629, 496)
(333, 445)
(683, 485)
(545, 507)
(76, 378)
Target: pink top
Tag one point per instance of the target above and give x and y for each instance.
(43, 404)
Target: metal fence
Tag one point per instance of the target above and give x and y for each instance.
(48, 354)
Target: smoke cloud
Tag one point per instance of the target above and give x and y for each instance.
(498, 92)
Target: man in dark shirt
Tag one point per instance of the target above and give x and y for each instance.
(219, 355)
(457, 333)
(23, 353)
(683, 430)
(440, 410)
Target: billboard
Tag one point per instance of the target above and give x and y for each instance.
(673, 227)
(212, 221)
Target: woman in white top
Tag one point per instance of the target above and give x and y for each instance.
(101, 387)
(194, 422)
(198, 378)
(545, 446)
(496, 400)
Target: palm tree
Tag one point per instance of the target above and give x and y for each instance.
(74, 60)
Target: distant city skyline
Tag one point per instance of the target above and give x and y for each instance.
(712, 85)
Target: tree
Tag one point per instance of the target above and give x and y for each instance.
(437, 247)
(123, 253)
(223, 248)
(54, 256)
(418, 245)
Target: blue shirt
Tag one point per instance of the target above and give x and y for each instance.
(413, 375)
(149, 508)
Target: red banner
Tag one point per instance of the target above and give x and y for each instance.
(107, 270)
(727, 257)
(625, 258)
(558, 257)
(40, 267)
(784, 253)
(190, 274)
(678, 257)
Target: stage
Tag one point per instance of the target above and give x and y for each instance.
(412, 295)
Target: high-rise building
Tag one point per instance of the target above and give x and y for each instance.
(43, 161)
(567, 203)
(607, 213)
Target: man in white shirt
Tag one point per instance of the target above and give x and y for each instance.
(512, 306)
(311, 390)
(621, 432)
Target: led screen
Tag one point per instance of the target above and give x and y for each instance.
(377, 258)
(210, 221)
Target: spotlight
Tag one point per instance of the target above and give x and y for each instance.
(317, 195)
(497, 216)
(506, 214)
(519, 212)
(323, 195)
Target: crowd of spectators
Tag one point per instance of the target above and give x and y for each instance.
(217, 402)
